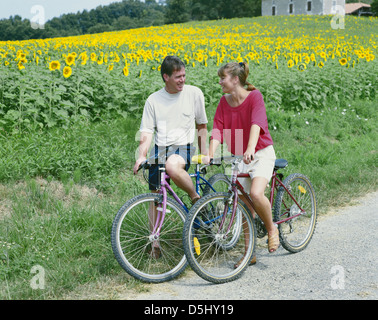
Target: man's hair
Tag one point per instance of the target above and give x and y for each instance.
(170, 65)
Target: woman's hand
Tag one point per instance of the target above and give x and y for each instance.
(206, 160)
(249, 155)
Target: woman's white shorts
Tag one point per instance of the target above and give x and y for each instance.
(261, 166)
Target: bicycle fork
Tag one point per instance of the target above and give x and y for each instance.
(159, 211)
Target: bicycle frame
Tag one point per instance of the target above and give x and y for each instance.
(275, 183)
(166, 188)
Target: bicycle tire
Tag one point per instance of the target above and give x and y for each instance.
(220, 182)
(215, 259)
(132, 244)
(296, 234)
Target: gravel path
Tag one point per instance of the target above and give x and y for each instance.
(339, 263)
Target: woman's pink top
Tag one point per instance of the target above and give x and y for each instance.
(233, 124)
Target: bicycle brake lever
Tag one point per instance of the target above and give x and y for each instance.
(144, 165)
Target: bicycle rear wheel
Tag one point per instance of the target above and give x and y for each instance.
(296, 233)
(214, 245)
(132, 241)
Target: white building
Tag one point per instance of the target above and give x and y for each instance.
(293, 7)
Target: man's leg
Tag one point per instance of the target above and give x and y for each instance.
(152, 211)
(175, 167)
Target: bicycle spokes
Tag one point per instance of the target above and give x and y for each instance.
(144, 246)
(214, 248)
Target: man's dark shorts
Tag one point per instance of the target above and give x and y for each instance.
(186, 152)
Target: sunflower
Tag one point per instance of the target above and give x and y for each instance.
(84, 58)
(343, 61)
(67, 71)
(21, 56)
(320, 64)
(70, 60)
(290, 63)
(125, 71)
(93, 56)
(54, 65)
(20, 66)
(302, 67)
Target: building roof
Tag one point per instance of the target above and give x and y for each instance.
(351, 7)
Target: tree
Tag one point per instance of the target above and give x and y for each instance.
(178, 11)
(374, 7)
(129, 14)
(213, 9)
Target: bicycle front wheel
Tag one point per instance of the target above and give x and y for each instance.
(217, 246)
(142, 255)
(297, 204)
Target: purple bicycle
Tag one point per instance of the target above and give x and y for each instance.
(147, 231)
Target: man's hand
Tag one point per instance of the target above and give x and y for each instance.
(138, 163)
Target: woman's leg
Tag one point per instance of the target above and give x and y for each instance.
(263, 208)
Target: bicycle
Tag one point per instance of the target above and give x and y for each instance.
(146, 234)
(294, 213)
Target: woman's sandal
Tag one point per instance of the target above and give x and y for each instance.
(252, 262)
(273, 242)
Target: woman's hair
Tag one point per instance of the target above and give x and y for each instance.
(240, 70)
(170, 65)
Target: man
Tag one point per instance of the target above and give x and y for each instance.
(173, 113)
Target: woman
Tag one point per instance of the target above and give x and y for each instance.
(241, 120)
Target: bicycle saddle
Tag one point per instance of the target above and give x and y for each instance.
(280, 164)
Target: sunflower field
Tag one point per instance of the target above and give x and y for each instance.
(297, 62)
(70, 109)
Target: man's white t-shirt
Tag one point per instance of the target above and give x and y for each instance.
(172, 117)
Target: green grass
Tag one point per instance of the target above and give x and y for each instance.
(336, 148)
(60, 215)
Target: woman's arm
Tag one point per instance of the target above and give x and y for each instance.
(252, 142)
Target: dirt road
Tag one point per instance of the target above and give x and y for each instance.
(339, 263)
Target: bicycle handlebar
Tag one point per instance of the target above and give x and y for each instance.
(196, 159)
(144, 165)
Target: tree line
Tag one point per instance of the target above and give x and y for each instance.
(127, 14)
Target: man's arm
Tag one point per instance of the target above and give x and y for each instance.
(144, 145)
(202, 137)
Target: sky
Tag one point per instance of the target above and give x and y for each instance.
(46, 9)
